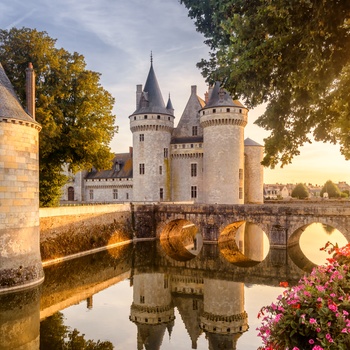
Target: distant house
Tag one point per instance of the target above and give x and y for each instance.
(274, 191)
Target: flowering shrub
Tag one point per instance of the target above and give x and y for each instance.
(315, 314)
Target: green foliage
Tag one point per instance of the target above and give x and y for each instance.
(293, 55)
(300, 191)
(54, 335)
(332, 190)
(74, 110)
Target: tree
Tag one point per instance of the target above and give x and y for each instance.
(74, 110)
(330, 188)
(300, 191)
(293, 55)
(55, 335)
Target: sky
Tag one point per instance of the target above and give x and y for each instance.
(116, 37)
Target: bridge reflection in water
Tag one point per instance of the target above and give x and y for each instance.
(206, 289)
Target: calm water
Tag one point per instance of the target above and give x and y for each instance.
(137, 297)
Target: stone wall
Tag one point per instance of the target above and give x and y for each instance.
(68, 230)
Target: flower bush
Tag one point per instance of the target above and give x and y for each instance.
(315, 314)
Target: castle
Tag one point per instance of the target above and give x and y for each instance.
(204, 159)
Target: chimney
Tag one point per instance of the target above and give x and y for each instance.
(194, 89)
(30, 90)
(138, 95)
(206, 97)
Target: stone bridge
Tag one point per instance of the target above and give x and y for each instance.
(283, 223)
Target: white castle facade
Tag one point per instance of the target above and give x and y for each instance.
(204, 159)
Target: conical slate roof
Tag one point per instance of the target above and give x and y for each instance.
(169, 105)
(220, 97)
(250, 142)
(190, 118)
(151, 99)
(10, 106)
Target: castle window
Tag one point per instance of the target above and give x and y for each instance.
(214, 110)
(240, 175)
(127, 195)
(160, 170)
(166, 282)
(161, 193)
(134, 118)
(166, 153)
(228, 110)
(115, 193)
(71, 193)
(191, 145)
(240, 111)
(142, 168)
(91, 194)
(194, 130)
(194, 304)
(142, 299)
(193, 191)
(142, 137)
(183, 146)
(158, 116)
(145, 117)
(240, 193)
(168, 118)
(194, 169)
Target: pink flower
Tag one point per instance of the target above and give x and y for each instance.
(329, 338)
(311, 341)
(312, 321)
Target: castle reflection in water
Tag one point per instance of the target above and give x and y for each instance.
(207, 292)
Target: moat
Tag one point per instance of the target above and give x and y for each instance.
(138, 297)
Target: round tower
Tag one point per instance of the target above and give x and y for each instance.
(253, 172)
(224, 318)
(223, 121)
(152, 310)
(151, 125)
(20, 261)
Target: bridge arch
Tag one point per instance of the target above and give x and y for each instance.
(180, 240)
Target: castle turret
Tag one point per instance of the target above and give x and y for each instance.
(20, 261)
(152, 310)
(224, 318)
(151, 125)
(253, 172)
(223, 121)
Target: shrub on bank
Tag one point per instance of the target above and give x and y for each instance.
(315, 314)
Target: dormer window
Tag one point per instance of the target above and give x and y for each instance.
(158, 116)
(145, 117)
(214, 110)
(117, 166)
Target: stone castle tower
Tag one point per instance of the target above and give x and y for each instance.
(152, 310)
(20, 262)
(151, 124)
(204, 159)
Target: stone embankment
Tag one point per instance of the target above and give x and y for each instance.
(74, 230)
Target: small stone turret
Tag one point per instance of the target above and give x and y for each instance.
(20, 261)
(253, 172)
